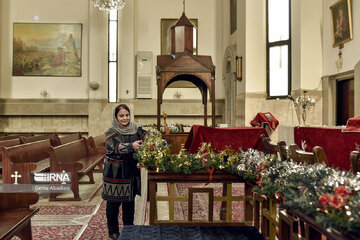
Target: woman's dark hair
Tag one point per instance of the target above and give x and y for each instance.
(121, 106)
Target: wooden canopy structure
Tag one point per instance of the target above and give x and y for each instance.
(182, 65)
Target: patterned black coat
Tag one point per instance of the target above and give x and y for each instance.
(121, 177)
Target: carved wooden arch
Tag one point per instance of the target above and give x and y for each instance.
(203, 80)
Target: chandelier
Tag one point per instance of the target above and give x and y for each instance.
(109, 5)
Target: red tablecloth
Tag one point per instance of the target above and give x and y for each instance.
(353, 124)
(336, 143)
(244, 137)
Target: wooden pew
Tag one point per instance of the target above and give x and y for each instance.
(15, 214)
(283, 151)
(355, 161)
(312, 231)
(317, 156)
(299, 155)
(76, 158)
(8, 137)
(269, 146)
(25, 158)
(8, 143)
(97, 142)
(25, 139)
(66, 139)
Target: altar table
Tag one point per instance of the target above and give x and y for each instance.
(141, 232)
(236, 137)
(201, 176)
(337, 144)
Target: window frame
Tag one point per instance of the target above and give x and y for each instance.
(277, 44)
(116, 59)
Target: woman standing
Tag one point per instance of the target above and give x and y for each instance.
(121, 177)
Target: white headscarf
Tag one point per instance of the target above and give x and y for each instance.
(131, 128)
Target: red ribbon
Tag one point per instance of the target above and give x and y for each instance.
(210, 174)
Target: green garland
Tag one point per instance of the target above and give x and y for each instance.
(330, 195)
(156, 154)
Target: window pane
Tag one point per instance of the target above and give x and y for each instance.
(113, 15)
(112, 81)
(278, 14)
(112, 40)
(278, 63)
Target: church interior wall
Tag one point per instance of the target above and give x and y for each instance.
(350, 62)
(310, 45)
(209, 15)
(351, 50)
(306, 38)
(47, 12)
(139, 30)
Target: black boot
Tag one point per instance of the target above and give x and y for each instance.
(114, 236)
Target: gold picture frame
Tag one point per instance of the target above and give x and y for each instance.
(341, 22)
(47, 49)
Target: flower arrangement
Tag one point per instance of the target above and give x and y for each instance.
(174, 128)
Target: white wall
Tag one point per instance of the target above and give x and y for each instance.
(306, 45)
(241, 43)
(148, 16)
(255, 46)
(139, 30)
(1, 21)
(98, 71)
(351, 50)
(310, 44)
(49, 11)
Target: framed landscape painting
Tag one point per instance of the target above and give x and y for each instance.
(341, 22)
(47, 49)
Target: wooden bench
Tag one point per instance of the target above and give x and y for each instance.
(76, 158)
(317, 156)
(288, 228)
(269, 146)
(97, 142)
(355, 161)
(66, 139)
(25, 158)
(29, 139)
(283, 151)
(15, 214)
(8, 143)
(15, 136)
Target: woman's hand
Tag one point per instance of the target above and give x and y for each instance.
(136, 144)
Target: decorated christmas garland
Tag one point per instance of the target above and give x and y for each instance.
(156, 154)
(329, 195)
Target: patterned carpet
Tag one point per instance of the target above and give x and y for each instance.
(97, 227)
(86, 220)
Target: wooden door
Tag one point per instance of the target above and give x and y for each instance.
(344, 101)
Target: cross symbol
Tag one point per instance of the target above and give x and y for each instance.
(16, 176)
